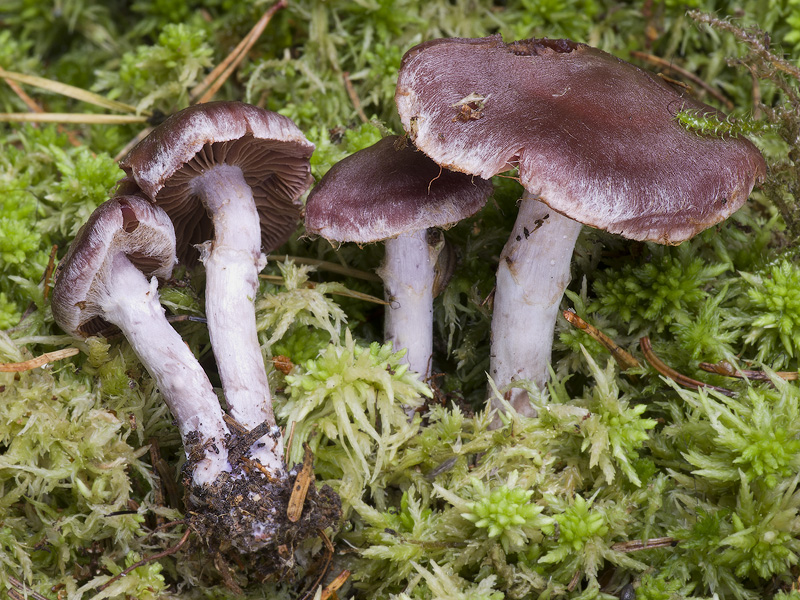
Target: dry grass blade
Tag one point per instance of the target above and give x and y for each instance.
(277, 280)
(69, 91)
(205, 91)
(88, 119)
(39, 361)
(324, 265)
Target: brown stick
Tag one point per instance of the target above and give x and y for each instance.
(26, 592)
(49, 271)
(636, 545)
(624, 358)
(144, 561)
(727, 369)
(667, 371)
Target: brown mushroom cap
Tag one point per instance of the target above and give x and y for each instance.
(594, 137)
(269, 148)
(388, 189)
(126, 224)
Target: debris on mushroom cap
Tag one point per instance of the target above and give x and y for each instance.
(269, 148)
(388, 189)
(595, 138)
(126, 224)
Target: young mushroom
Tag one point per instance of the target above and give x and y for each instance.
(229, 175)
(393, 193)
(110, 275)
(596, 141)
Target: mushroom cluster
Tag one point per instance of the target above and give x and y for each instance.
(595, 140)
(223, 179)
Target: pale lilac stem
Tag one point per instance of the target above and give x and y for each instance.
(408, 275)
(232, 261)
(531, 279)
(131, 303)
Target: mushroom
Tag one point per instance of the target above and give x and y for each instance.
(391, 192)
(104, 279)
(235, 172)
(596, 141)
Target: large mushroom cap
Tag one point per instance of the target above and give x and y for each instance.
(269, 148)
(389, 189)
(594, 137)
(125, 224)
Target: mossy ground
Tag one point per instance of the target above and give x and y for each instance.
(441, 507)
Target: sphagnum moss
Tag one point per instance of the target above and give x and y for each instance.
(736, 533)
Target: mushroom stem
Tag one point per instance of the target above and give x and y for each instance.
(531, 278)
(408, 276)
(232, 262)
(131, 303)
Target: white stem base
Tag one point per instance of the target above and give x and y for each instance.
(233, 260)
(408, 274)
(531, 279)
(131, 303)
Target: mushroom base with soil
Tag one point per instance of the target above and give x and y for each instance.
(243, 520)
(531, 279)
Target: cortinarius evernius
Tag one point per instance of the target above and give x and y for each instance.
(392, 192)
(596, 141)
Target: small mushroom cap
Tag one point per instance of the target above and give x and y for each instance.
(595, 138)
(388, 189)
(127, 224)
(269, 148)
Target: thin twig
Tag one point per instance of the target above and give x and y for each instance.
(326, 564)
(26, 99)
(679, 378)
(624, 358)
(26, 592)
(728, 370)
(144, 561)
(39, 361)
(665, 64)
(351, 91)
(636, 545)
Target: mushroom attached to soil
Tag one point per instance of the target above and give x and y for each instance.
(392, 192)
(229, 175)
(596, 141)
(110, 275)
